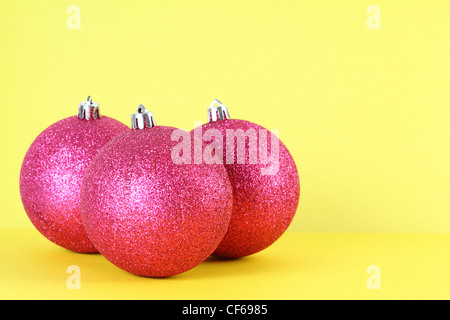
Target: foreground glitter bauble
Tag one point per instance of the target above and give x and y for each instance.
(53, 169)
(266, 193)
(145, 213)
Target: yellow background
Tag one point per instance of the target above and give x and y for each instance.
(364, 112)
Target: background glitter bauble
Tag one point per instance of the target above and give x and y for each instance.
(263, 205)
(51, 176)
(148, 215)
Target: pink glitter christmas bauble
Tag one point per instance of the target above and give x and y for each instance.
(51, 176)
(266, 190)
(149, 215)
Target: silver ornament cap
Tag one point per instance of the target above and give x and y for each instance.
(217, 111)
(142, 119)
(88, 109)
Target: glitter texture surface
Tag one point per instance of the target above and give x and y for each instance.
(148, 215)
(263, 205)
(51, 176)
